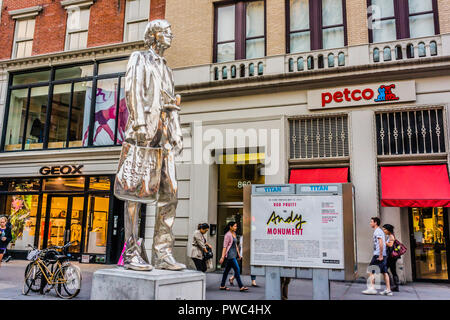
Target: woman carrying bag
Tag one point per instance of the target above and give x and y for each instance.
(395, 249)
(201, 250)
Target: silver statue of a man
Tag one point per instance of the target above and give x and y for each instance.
(146, 172)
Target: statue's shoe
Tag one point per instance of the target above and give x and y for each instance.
(135, 262)
(169, 263)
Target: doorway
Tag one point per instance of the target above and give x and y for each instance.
(63, 221)
(429, 244)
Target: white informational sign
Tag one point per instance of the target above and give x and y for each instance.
(297, 231)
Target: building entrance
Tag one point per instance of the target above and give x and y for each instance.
(429, 243)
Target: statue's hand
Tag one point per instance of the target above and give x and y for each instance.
(141, 135)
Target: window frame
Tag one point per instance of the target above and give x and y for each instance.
(50, 83)
(315, 25)
(402, 15)
(70, 32)
(17, 40)
(240, 37)
(133, 21)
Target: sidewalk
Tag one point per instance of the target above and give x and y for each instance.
(11, 281)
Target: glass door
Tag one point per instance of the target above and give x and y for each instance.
(63, 221)
(56, 221)
(429, 242)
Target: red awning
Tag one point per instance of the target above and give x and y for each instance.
(325, 175)
(415, 186)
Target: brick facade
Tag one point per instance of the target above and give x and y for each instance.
(106, 24)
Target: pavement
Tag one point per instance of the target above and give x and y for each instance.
(12, 274)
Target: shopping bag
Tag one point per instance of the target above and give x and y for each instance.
(139, 173)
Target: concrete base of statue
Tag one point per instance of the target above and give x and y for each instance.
(120, 284)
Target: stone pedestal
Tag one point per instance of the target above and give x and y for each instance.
(120, 284)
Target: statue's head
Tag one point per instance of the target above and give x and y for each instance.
(158, 33)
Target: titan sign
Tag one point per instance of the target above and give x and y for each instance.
(383, 93)
(61, 170)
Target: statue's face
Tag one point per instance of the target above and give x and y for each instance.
(165, 37)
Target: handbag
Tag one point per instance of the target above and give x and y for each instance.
(398, 249)
(208, 255)
(138, 174)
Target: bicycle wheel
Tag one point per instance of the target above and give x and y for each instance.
(71, 278)
(33, 278)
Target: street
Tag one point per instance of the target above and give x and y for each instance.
(11, 281)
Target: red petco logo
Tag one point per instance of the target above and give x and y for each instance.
(348, 95)
(353, 96)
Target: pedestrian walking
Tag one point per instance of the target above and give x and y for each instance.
(230, 255)
(200, 247)
(391, 260)
(379, 258)
(240, 266)
(5, 237)
(284, 283)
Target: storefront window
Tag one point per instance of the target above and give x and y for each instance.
(60, 116)
(74, 72)
(63, 184)
(16, 119)
(106, 110)
(21, 211)
(24, 185)
(31, 77)
(113, 67)
(78, 123)
(37, 113)
(99, 183)
(97, 224)
(70, 112)
(429, 241)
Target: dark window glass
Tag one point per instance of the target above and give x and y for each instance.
(60, 116)
(63, 184)
(316, 24)
(36, 118)
(31, 77)
(74, 72)
(16, 119)
(240, 31)
(79, 118)
(99, 183)
(24, 185)
(401, 19)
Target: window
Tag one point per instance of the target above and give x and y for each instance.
(240, 31)
(322, 137)
(315, 24)
(136, 18)
(67, 107)
(23, 39)
(401, 19)
(77, 28)
(410, 132)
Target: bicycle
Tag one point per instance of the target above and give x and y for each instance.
(48, 267)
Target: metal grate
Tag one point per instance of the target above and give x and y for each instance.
(324, 137)
(410, 132)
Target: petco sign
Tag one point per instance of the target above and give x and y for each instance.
(353, 96)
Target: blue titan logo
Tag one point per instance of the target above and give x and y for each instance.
(319, 188)
(272, 189)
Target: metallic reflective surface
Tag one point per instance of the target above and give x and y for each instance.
(146, 172)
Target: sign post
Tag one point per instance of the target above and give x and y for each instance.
(301, 226)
